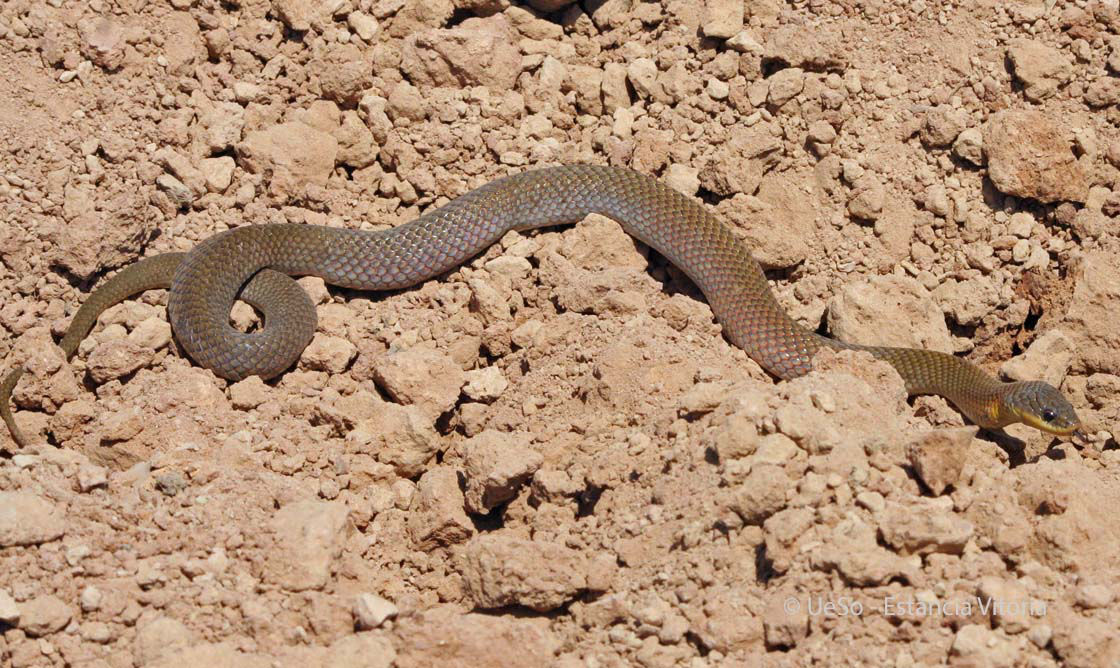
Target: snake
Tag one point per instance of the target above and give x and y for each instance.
(256, 263)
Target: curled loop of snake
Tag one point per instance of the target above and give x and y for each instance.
(255, 262)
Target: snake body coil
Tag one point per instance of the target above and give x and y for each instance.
(254, 263)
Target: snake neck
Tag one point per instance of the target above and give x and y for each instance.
(972, 390)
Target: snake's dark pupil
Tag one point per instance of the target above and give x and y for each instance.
(1048, 415)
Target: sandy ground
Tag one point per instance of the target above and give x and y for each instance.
(551, 457)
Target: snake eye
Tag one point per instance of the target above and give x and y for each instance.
(1048, 415)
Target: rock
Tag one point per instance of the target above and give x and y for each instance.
(400, 436)
(436, 516)
(937, 201)
(443, 636)
(702, 398)
(969, 146)
(183, 45)
(220, 125)
(1084, 642)
(308, 537)
(9, 611)
(1103, 92)
(496, 466)
(781, 533)
(406, 101)
(1039, 68)
(762, 493)
(553, 485)
(1047, 358)
(942, 125)
(500, 570)
(486, 384)
(426, 378)
(784, 625)
(976, 645)
(778, 225)
(1113, 61)
(615, 94)
(586, 291)
(1091, 596)
(587, 81)
(683, 178)
(344, 74)
(527, 333)
(43, 615)
(332, 354)
(88, 244)
(249, 393)
(153, 333)
(217, 172)
(487, 301)
(510, 267)
(291, 155)
(938, 456)
(744, 42)
(122, 425)
(969, 301)
(1090, 223)
(323, 115)
(820, 137)
(867, 199)
(28, 519)
(363, 24)
(477, 52)
(735, 435)
(609, 13)
(245, 92)
(415, 16)
(889, 310)
(178, 193)
(302, 15)
(872, 501)
(1093, 318)
(776, 448)
(599, 243)
(642, 75)
(852, 549)
(96, 632)
(722, 18)
(1030, 156)
(924, 529)
(730, 625)
(785, 84)
(371, 611)
(102, 41)
(159, 638)
(801, 45)
(1040, 635)
(356, 145)
(117, 358)
(1008, 603)
(181, 168)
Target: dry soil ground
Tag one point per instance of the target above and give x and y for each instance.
(551, 457)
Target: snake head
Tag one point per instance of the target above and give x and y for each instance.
(1042, 406)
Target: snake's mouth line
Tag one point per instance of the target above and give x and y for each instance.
(1061, 432)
